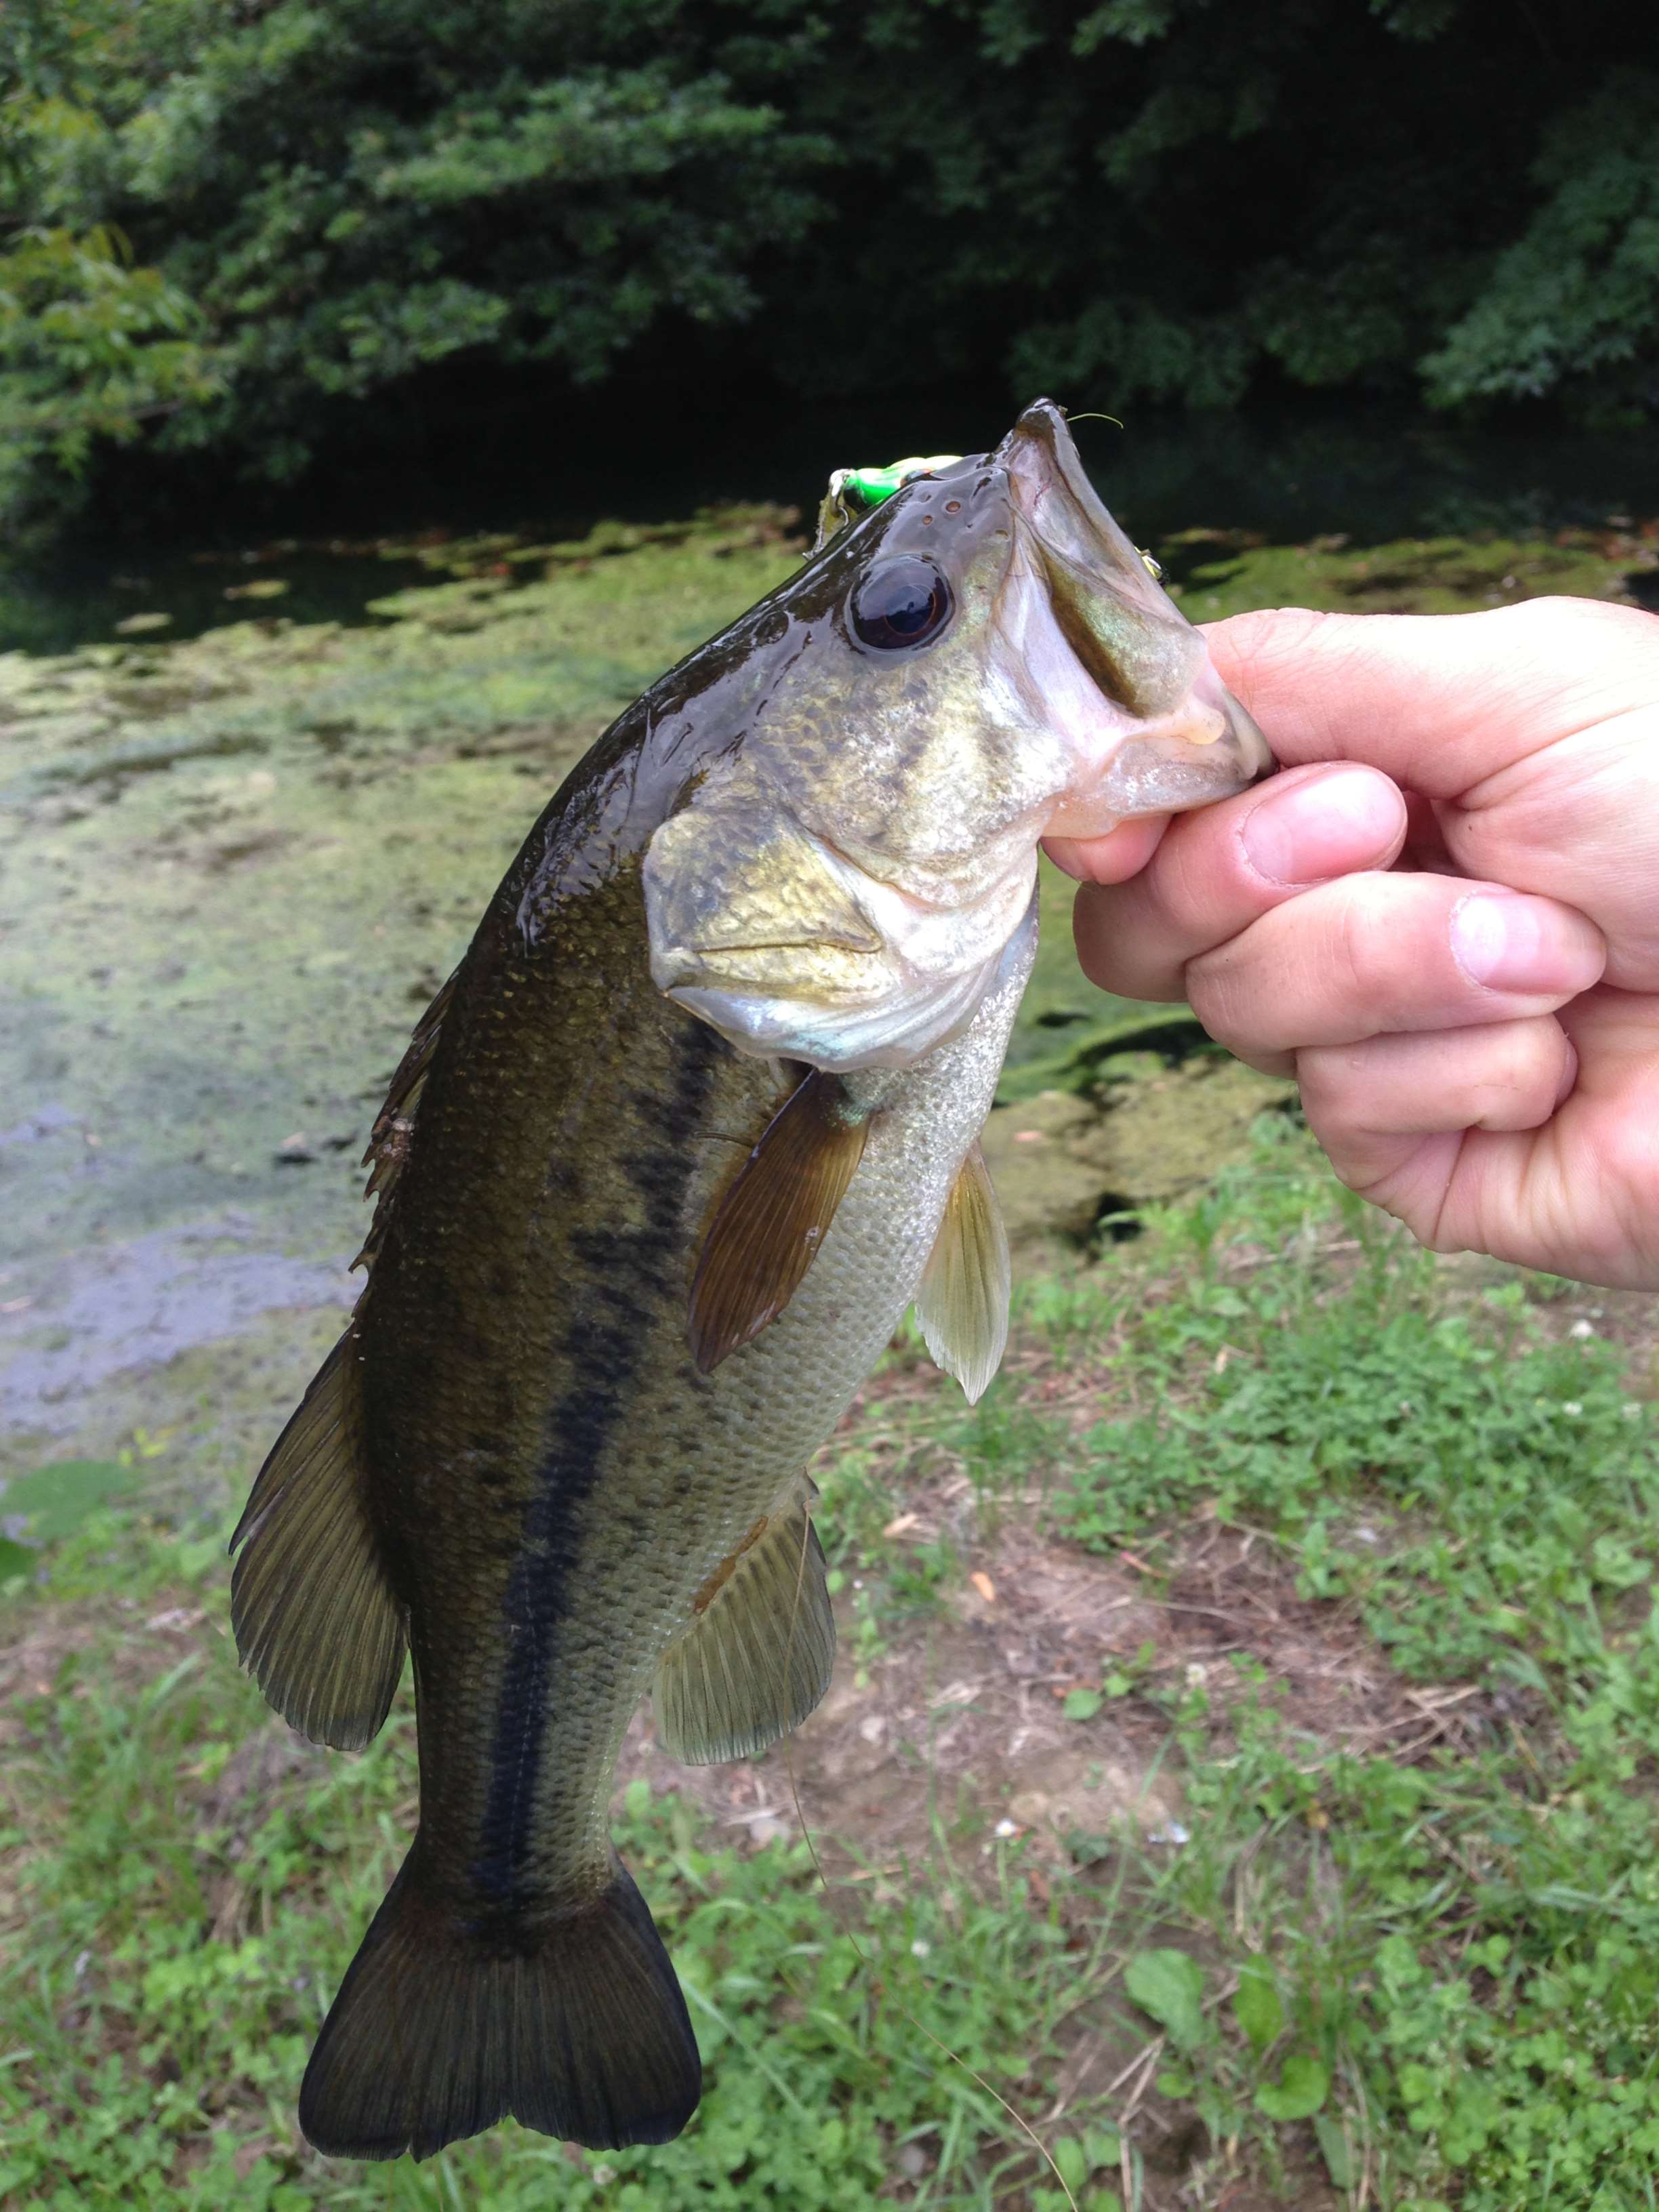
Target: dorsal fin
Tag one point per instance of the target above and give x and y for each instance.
(766, 1231)
(394, 1125)
(962, 1301)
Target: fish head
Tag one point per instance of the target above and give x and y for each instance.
(983, 660)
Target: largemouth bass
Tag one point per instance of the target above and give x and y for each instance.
(693, 1123)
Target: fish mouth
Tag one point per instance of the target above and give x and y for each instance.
(1119, 668)
(894, 1027)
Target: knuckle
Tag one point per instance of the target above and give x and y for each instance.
(1257, 643)
(1110, 950)
(1331, 1079)
(1526, 1072)
(1551, 610)
(1558, 615)
(1563, 634)
(1092, 936)
(1369, 955)
(1215, 995)
(1190, 878)
(1639, 1182)
(1444, 1230)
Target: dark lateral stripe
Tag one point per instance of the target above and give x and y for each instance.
(621, 1272)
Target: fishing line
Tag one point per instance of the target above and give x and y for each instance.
(1094, 415)
(955, 2056)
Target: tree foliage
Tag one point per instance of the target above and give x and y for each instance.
(1573, 305)
(220, 225)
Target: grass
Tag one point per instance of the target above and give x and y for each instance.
(1417, 1981)
(177, 1929)
(1467, 1942)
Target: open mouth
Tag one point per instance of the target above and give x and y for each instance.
(787, 944)
(807, 920)
(1161, 732)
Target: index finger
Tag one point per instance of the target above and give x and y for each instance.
(1439, 702)
(1221, 868)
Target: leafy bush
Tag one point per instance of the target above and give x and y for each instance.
(1574, 303)
(336, 198)
(1146, 199)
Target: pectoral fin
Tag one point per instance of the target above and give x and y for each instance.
(768, 1226)
(759, 1657)
(317, 1625)
(962, 1301)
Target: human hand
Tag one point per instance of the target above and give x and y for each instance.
(1442, 919)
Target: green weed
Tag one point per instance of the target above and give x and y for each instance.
(1446, 1968)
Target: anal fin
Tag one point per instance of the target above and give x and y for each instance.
(767, 1228)
(962, 1303)
(759, 1658)
(317, 1625)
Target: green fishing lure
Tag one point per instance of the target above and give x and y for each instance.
(855, 492)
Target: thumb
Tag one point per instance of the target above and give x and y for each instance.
(1439, 702)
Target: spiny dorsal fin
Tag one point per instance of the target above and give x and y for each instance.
(759, 1658)
(394, 1125)
(766, 1231)
(317, 1625)
(963, 1300)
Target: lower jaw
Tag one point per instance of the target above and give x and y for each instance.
(917, 1016)
(896, 1034)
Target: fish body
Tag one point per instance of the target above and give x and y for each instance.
(691, 1126)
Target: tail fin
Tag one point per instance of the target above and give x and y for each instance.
(576, 2027)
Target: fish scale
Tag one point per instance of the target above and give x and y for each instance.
(659, 1472)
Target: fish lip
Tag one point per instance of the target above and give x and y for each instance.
(907, 934)
(861, 868)
(1076, 540)
(1042, 425)
(704, 955)
(891, 874)
(1080, 541)
(844, 1040)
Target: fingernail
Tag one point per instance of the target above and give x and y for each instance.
(1324, 827)
(1509, 942)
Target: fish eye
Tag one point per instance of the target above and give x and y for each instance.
(901, 603)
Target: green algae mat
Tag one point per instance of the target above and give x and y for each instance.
(238, 865)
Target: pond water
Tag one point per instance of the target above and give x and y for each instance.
(1288, 476)
(244, 840)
